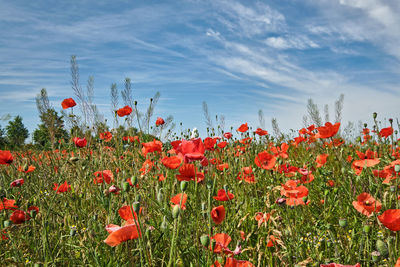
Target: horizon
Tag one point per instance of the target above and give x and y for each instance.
(238, 57)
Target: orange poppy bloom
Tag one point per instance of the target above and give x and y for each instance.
(222, 166)
(321, 160)
(366, 204)
(188, 172)
(222, 242)
(218, 214)
(120, 234)
(265, 160)
(228, 135)
(232, 262)
(171, 162)
(391, 219)
(106, 136)
(261, 132)
(189, 150)
(247, 175)
(366, 163)
(328, 130)
(178, 198)
(294, 193)
(243, 128)
(223, 195)
(30, 169)
(152, 146)
(146, 167)
(262, 218)
(339, 265)
(222, 144)
(68, 103)
(271, 241)
(159, 121)
(65, 187)
(6, 157)
(8, 204)
(101, 176)
(125, 111)
(280, 151)
(128, 214)
(386, 132)
(397, 263)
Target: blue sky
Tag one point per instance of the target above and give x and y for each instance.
(238, 56)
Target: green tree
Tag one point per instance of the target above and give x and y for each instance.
(3, 139)
(47, 135)
(16, 132)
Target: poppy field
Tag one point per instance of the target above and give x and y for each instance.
(234, 198)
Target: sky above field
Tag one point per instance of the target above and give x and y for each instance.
(238, 56)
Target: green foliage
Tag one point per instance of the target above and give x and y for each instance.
(16, 132)
(3, 138)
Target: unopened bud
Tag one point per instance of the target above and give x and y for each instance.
(184, 185)
(136, 207)
(125, 187)
(175, 211)
(205, 240)
(374, 115)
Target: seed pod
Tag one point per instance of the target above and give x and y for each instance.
(125, 187)
(160, 196)
(7, 223)
(205, 240)
(343, 222)
(175, 211)
(184, 185)
(374, 115)
(164, 224)
(397, 168)
(367, 229)
(134, 180)
(136, 207)
(382, 248)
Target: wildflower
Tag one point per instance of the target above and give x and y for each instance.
(171, 162)
(261, 132)
(102, 176)
(262, 218)
(125, 111)
(159, 121)
(8, 204)
(222, 195)
(27, 169)
(265, 160)
(179, 198)
(188, 172)
(68, 103)
(152, 146)
(6, 157)
(391, 219)
(106, 136)
(328, 130)
(19, 216)
(366, 204)
(228, 135)
(321, 160)
(80, 142)
(218, 214)
(17, 183)
(386, 132)
(62, 188)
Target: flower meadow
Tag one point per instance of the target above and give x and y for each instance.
(237, 198)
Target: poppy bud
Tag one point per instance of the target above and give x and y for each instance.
(205, 240)
(365, 125)
(326, 192)
(367, 229)
(125, 187)
(135, 103)
(160, 196)
(280, 201)
(7, 223)
(335, 190)
(213, 243)
(374, 115)
(343, 222)
(375, 256)
(358, 139)
(397, 168)
(164, 224)
(184, 185)
(390, 120)
(175, 211)
(305, 199)
(25, 167)
(382, 248)
(209, 184)
(134, 180)
(136, 207)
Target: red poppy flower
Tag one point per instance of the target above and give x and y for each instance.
(128, 214)
(80, 142)
(68, 103)
(17, 183)
(232, 262)
(171, 162)
(62, 188)
(178, 198)
(366, 204)
(106, 136)
(188, 172)
(152, 146)
(339, 265)
(391, 219)
(6, 157)
(222, 166)
(271, 241)
(146, 167)
(209, 143)
(125, 111)
(262, 218)
(397, 263)
(222, 144)
(228, 135)
(28, 170)
(261, 132)
(222, 242)
(190, 150)
(294, 193)
(223, 195)
(120, 234)
(365, 163)
(160, 121)
(386, 132)
(265, 160)
(102, 176)
(321, 160)
(218, 214)
(328, 130)
(33, 208)
(8, 204)
(243, 128)
(280, 151)
(247, 175)
(19, 216)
